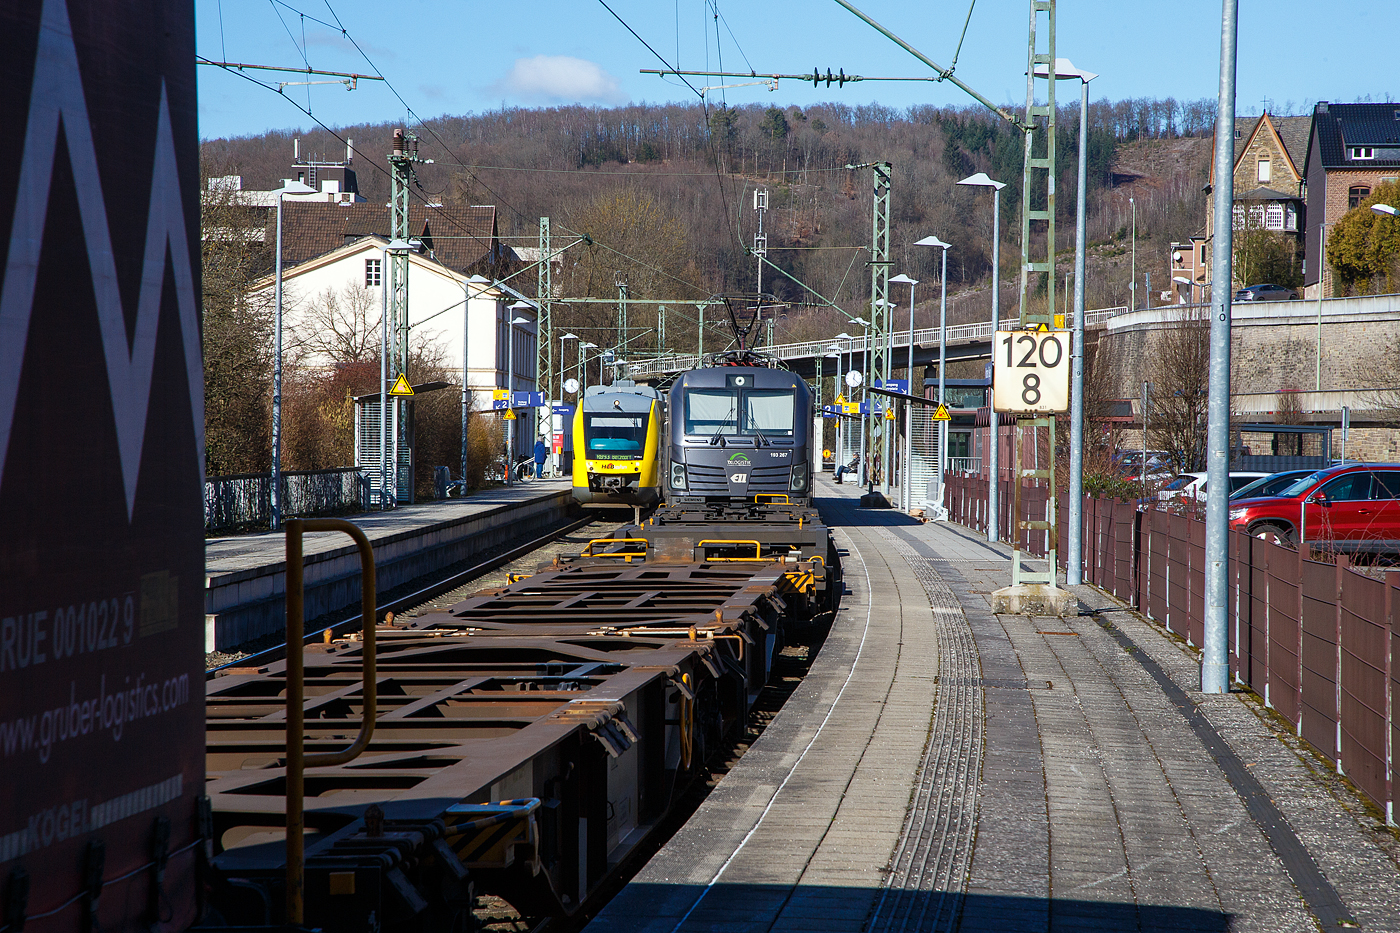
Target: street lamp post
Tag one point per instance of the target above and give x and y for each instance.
(942, 356)
(1190, 292)
(1074, 558)
(994, 421)
(288, 187)
(905, 500)
(1132, 266)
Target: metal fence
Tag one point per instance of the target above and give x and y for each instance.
(1316, 639)
(244, 501)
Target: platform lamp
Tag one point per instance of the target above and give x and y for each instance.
(510, 383)
(581, 369)
(480, 283)
(942, 355)
(840, 381)
(981, 180)
(1074, 556)
(559, 457)
(904, 497)
(865, 374)
(288, 187)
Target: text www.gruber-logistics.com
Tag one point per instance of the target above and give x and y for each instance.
(105, 712)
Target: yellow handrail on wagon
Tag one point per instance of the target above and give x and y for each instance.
(757, 549)
(773, 497)
(625, 555)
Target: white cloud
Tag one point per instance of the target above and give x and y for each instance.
(553, 79)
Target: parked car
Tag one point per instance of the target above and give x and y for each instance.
(1266, 293)
(1193, 485)
(1129, 465)
(1270, 485)
(1354, 508)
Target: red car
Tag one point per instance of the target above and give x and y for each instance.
(1354, 508)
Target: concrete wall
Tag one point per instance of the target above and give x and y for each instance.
(1273, 344)
(251, 603)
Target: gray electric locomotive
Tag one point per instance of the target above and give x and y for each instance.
(740, 433)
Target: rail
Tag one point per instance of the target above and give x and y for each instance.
(965, 464)
(297, 759)
(244, 500)
(808, 349)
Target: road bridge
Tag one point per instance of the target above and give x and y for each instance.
(965, 342)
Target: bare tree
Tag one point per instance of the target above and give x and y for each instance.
(1179, 371)
(237, 330)
(340, 326)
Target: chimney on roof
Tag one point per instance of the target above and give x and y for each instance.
(1321, 107)
(349, 151)
(296, 148)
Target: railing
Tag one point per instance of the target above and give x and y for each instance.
(807, 349)
(1317, 640)
(964, 464)
(244, 501)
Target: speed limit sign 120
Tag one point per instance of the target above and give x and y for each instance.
(1030, 371)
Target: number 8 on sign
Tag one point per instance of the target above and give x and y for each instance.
(1030, 371)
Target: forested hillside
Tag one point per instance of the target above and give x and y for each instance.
(665, 191)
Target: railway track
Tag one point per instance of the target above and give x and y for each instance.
(531, 728)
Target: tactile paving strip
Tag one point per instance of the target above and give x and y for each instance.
(928, 874)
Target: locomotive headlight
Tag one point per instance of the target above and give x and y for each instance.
(678, 476)
(799, 477)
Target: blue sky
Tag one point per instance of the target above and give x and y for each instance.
(462, 57)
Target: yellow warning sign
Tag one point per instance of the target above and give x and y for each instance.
(509, 415)
(826, 453)
(401, 386)
(941, 413)
(841, 399)
(889, 414)
(500, 395)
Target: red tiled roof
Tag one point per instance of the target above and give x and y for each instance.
(459, 237)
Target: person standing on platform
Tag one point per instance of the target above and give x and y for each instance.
(541, 451)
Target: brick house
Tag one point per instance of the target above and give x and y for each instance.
(1352, 149)
(1269, 178)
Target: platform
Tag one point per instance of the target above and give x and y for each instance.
(245, 580)
(944, 768)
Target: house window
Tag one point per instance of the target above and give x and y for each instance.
(1357, 194)
(1265, 170)
(1363, 152)
(372, 273)
(1203, 254)
(1273, 217)
(1290, 218)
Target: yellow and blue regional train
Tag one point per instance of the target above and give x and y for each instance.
(618, 446)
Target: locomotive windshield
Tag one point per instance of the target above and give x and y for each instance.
(770, 412)
(614, 435)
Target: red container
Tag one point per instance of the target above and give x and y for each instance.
(101, 453)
